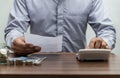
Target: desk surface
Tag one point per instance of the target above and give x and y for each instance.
(65, 64)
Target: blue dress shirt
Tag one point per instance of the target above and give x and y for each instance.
(60, 17)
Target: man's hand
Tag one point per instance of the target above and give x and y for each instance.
(98, 43)
(22, 48)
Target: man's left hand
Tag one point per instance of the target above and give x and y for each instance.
(97, 43)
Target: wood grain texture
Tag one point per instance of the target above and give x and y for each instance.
(65, 65)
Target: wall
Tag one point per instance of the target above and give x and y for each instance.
(5, 6)
(112, 7)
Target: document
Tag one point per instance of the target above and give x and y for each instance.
(47, 44)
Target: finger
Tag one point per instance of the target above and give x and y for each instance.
(33, 48)
(37, 48)
(16, 49)
(92, 43)
(29, 50)
(28, 45)
(98, 44)
(22, 50)
(103, 46)
(19, 51)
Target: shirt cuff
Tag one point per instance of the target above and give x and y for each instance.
(11, 36)
(109, 41)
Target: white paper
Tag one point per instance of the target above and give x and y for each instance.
(47, 44)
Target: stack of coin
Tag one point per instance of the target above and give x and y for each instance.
(3, 56)
(19, 62)
(29, 62)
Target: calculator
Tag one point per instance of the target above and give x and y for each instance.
(93, 54)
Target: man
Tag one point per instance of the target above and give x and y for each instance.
(59, 17)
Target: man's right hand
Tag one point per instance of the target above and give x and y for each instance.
(21, 48)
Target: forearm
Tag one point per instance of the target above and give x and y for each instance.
(18, 21)
(109, 38)
(101, 23)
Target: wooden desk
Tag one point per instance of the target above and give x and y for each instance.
(64, 65)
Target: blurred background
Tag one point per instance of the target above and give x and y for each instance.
(112, 6)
